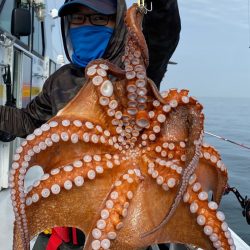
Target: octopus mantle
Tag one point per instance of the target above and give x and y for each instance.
(123, 163)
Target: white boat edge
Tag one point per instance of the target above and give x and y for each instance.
(239, 243)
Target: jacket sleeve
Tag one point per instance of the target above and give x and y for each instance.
(161, 29)
(21, 122)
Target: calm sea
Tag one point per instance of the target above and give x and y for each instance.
(230, 118)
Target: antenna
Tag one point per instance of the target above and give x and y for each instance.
(249, 21)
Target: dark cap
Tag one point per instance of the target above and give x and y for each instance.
(107, 7)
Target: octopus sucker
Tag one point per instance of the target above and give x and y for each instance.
(114, 210)
(208, 217)
(78, 173)
(131, 159)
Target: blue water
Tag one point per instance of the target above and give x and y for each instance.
(230, 118)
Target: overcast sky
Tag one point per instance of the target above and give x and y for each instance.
(213, 54)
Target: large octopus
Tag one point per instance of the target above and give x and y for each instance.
(123, 163)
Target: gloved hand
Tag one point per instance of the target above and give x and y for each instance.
(6, 137)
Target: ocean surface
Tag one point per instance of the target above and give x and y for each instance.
(230, 118)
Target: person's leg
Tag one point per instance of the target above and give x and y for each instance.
(43, 239)
(41, 242)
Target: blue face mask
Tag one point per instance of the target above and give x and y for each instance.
(89, 43)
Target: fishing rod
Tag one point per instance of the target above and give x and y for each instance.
(244, 202)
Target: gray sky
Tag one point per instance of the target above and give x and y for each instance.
(213, 54)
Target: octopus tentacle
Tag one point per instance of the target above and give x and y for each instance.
(186, 174)
(168, 150)
(216, 181)
(108, 99)
(113, 211)
(166, 173)
(136, 61)
(74, 174)
(98, 71)
(133, 21)
(193, 154)
(159, 114)
(212, 220)
(42, 138)
(107, 66)
(114, 109)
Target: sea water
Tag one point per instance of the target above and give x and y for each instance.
(230, 118)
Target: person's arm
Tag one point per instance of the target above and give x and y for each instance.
(161, 29)
(21, 122)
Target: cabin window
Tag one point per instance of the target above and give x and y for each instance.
(26, 80)
(17, 75)
(38, 37)
(22, 78)
(35, 42)
(6, 7)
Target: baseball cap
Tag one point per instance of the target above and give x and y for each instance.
(107, 7)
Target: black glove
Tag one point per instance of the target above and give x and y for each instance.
(6, 137)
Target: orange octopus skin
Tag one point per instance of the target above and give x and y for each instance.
(123, 163)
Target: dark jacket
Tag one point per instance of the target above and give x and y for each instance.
(161, 28)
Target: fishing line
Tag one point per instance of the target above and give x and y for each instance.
(244, 202)
(227, 140)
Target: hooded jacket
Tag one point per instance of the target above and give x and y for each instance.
(161, 29)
